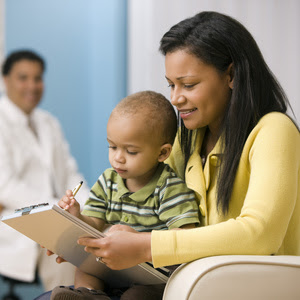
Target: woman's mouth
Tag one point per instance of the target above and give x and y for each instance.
(186, 113)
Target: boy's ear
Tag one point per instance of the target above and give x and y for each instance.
(165, 151)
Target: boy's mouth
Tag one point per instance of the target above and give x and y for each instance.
(120, 171)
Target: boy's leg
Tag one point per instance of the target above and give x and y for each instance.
(145, 292)
(83, 279)
(69, 293)
(86, 287)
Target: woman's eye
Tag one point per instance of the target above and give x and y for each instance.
(112, 147)
(171, 85)
(189, 86)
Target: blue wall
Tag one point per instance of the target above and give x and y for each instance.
(84, 45)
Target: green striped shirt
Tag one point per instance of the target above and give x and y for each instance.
(165, 202)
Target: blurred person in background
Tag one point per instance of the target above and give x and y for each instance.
(36, 166)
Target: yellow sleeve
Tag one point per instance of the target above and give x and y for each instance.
(272, 153)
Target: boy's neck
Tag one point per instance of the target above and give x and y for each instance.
(135, 184)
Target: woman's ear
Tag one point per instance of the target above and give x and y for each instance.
(165, 151)
(230, 71)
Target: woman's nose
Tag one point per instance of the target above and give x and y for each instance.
(177, 97)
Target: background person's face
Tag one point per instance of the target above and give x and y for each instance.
(24, 84)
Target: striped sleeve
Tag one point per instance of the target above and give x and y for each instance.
(178, 204)
(96, 204)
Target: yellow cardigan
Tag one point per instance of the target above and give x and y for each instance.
(264, 210)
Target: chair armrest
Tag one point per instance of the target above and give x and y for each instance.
(236, 277)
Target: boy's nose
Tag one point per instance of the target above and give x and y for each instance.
(119, 157)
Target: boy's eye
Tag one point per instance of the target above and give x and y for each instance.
(112, 147)
(131, 152)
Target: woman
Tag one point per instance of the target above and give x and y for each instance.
(236, 148)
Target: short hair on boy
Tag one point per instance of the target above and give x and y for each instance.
(157, 111)
(19, 55)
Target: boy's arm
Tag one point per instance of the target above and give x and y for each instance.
(97, 223)
(186, 226)
(177, 204)
(69, 203)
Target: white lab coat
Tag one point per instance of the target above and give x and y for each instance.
(32, 171)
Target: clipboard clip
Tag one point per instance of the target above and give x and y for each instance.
(26, 210)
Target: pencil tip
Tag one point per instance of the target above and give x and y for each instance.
(81, 182)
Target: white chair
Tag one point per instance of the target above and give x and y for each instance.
(236, 277)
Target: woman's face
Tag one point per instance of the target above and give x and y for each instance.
(198, 90)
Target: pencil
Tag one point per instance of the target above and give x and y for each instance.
(76, 189)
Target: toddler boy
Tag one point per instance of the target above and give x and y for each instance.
(139, 192)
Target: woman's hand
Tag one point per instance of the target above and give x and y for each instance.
(119, 227)
(58, 258)
(120, 249)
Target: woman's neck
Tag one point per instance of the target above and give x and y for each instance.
(209, 142)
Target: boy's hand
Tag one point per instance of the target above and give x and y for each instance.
(69, 203)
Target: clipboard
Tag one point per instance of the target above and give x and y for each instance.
(58, 230)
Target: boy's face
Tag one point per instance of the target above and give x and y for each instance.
(133, 148)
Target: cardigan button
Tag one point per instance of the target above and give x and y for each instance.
(214, 160)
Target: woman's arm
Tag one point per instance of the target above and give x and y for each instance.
(262, 220)
(123, 248)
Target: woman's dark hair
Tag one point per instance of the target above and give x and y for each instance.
(219, 40)
(19, 55)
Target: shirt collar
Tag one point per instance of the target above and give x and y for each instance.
(14, 113)
(144, 192)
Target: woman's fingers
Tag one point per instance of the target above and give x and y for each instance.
(60, 260)
(49, 253)
(120, 249)
(119, 227)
